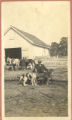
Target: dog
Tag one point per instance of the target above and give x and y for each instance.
(23, 79)
(32, 77)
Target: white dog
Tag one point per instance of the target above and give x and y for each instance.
(32, 77)
(23, 79)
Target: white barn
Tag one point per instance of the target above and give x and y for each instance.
(19, 44)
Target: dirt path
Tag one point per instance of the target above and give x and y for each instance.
(35, 101)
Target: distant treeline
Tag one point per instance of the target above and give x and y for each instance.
(59, 49)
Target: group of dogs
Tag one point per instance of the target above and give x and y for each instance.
(33, 76)
(16, 63)
(13, 61)
(30, 77)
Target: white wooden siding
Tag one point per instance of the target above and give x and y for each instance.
(13, 40)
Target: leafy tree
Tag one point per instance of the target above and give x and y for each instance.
(54, 49)
(63, 47)
(60, 49)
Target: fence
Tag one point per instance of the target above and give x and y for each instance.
(54, 62)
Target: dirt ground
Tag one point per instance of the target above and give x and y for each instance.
(38, 101)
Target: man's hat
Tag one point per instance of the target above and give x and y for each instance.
(39, 61)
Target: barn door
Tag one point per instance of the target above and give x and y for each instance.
(13, 53)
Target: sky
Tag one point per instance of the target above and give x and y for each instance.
(49, 21)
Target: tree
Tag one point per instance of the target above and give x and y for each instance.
(54, 49)
(63, 47)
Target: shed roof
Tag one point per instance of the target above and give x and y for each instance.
(29, 37)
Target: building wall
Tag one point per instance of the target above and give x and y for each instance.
(13, 40)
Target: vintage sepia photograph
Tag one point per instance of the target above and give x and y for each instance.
(35, 58)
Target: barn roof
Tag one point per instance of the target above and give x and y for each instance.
(29, 37)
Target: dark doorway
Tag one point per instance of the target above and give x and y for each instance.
(13, 53)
